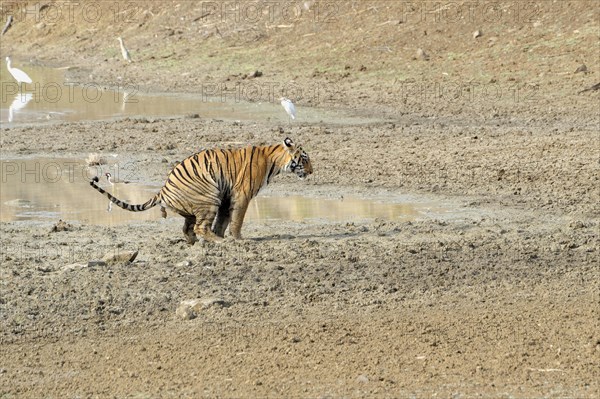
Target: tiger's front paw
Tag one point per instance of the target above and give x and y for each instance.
(236, 236)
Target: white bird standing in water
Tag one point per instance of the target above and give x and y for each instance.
(16, 73)
(124, 51)
(114, 184)
(109, 178)
(289, 107)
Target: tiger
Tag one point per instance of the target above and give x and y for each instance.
(212, 188)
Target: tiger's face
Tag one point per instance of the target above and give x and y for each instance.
(300, 161)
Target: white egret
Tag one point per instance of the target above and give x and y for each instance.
(114, 184)
(124, 51)
(16, 73)
(109, 178)
(289, 107)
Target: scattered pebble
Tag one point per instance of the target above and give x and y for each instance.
(582, 68)
(185, 312)
(477, 34)
(185, 263)
(363, 379)
(576, 224)
(120, 257)
(61, 226)
(421, 54)
(190, 308)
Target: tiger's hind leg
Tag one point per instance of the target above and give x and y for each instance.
(188, 229)
(221, 223)
(205, 219)
(223, 218)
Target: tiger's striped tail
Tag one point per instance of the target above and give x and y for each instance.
(129, 207)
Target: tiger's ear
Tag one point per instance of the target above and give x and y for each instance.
(289, 145)
(288, 142)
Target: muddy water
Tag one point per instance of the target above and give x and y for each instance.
(52, 189)
(51, 98)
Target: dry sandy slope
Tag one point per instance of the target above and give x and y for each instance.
(501, 301)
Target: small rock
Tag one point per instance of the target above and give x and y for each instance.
(61, 226)
(576, 224)
(421, 54)
(363, 379)
(185, 263)
(477, 34)
(256, 74)
(185, 312)
(120, 257)
(582, 68)
(190, 308)
(193, 116)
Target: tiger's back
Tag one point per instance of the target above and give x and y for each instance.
(212, 175)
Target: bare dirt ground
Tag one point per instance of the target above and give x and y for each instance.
(499, 301)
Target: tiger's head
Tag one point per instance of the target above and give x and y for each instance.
(299, 162)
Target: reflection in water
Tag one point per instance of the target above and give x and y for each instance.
(52, 189)
(55, 98)
(18, 103)
(298, 208)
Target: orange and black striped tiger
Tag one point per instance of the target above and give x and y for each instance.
(213, 187)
